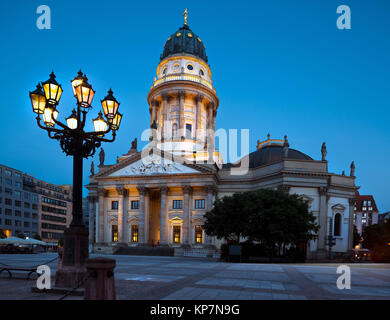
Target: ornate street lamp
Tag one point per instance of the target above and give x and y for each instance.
(74, 141)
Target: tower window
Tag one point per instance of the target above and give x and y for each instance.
(188, 131)
(174, 130)
(176, 234)
(165, 71)
(190, 67)
(201, 72)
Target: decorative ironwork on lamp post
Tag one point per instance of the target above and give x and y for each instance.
(74, 141)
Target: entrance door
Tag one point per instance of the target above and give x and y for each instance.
(154, 218)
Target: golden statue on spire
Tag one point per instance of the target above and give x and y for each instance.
(185, 14)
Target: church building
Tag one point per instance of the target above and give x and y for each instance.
(158, 196)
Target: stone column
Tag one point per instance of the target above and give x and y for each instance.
(211, 192)
(198, 115)
(122, 214)
(102, 216)
(210, 134)
(323, 217)
(350, 222)
(146, 215)
(164, 216)
(92, 210)
(154, 104)
(164, 96)
(187, 190)
(182, 126)
(141, 228)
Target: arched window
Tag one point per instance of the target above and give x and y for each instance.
(174, 130)
(337, 225)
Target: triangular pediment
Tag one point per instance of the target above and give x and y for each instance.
(153, 165)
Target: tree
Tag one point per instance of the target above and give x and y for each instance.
(228, 218)
(377, 238)
(274, 218)
(2, 234)
(280, 220)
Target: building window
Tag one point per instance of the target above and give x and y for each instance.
(177, 204)
(198, 234)
(18, 213)
(134, 233)
(188, 130)
(8, 173)
(18, 184)
(114, 234)
(17, 194)
(337, 225)
(8, 212)
(199, 204)
(18, 175)
(27, 214)
(190, 67)
(176, 234)
(8, 202)
(174, 130)
(18, 203)
(114, 205)
(8, 181)
(27, 205)
(8, 222)
(135, 204)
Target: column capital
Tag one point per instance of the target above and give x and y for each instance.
(181, 94)
(186, 189)
(122, 191)
(199, 98)
(210, 105)
(103, 192)
(211, 189)
(323, 190)
(92, 198)
(164, 190)
(142, 190)
(164, 95)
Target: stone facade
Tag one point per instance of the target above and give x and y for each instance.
(159, 196)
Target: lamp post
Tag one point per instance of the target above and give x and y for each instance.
(74, 141)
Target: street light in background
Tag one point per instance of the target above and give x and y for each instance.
(74, 141)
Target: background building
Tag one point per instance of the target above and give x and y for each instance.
(31, 206)
(366, 212)
(19, 203)
(383, 217)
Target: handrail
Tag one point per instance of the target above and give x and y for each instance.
(185, 77)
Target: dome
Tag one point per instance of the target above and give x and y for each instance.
(184, 41)
(270, 154)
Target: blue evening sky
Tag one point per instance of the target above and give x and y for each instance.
(278, 66)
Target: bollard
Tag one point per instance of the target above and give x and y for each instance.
(100, 283)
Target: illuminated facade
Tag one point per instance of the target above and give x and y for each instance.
(151, 200)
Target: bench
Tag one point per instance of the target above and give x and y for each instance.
(29, 270)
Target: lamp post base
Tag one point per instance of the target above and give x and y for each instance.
(71, 272)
